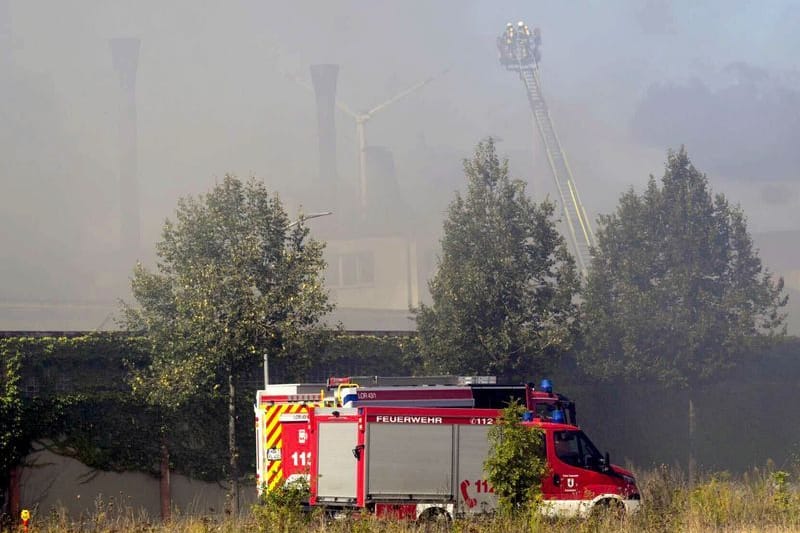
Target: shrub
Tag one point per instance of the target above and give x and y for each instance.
(516, 463)
(282, 510)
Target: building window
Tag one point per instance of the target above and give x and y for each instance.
(351, 270)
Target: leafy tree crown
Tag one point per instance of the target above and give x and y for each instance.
(677, 291)
(503, 292)
(235, 278)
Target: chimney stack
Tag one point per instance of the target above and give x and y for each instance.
(125, 58)
(324, 79)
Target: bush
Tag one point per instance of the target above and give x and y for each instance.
(516, 463)
(282, 510)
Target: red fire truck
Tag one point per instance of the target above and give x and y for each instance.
(422, 463)
(283, 450)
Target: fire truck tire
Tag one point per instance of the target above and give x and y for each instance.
(434, 514)
(609, 507)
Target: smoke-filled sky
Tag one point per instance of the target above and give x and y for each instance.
(625, 81)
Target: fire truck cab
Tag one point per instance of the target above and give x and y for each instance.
(422, 462)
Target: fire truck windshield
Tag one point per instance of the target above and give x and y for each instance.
(575, 448)
(545, 409)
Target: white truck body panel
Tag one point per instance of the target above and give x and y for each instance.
(410, 462)
(282, 389)
(337, 461)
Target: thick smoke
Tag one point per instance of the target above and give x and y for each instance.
(746, 129)
(216, 93)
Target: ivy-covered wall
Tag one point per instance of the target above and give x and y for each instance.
(72, 392)
(351, 354)
(12, 438)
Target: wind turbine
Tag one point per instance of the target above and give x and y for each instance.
(362, 118)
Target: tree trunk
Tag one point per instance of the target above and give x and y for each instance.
(232, 450)
(692, 464)
(165, 492)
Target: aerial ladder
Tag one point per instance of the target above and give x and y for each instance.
(519, 52)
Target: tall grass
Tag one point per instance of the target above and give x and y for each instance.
(761, 500)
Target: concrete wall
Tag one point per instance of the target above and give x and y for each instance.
(53, 482)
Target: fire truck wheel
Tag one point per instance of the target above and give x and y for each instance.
(609, 508)
(434, 514)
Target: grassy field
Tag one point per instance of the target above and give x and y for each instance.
(763, 500)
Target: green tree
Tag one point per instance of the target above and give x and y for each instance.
(503, 292)
(517, 462)
(235, 279)
(676, 292)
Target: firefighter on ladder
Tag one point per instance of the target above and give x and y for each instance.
(510, 41)
(524, 38)
(519, 44)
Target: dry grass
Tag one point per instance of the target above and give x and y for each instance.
(763, 500)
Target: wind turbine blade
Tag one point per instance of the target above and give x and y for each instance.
(406, 92)
(343, 107)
